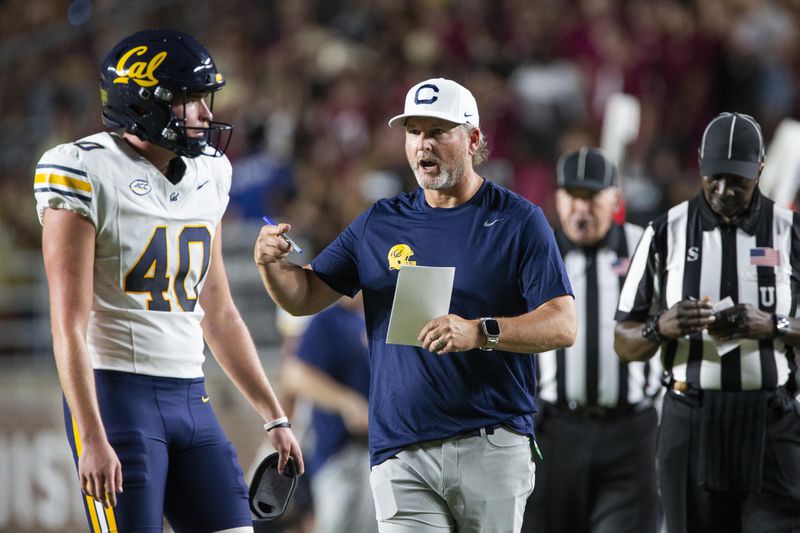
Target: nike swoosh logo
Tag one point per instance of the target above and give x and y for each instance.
(486, 223)
(204, 399)
(202, 185)
(467, 115)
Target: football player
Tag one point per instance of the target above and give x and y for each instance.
(132, 250)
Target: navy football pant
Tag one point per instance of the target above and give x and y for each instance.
(176, 460)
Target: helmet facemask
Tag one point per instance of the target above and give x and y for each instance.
(184, 140)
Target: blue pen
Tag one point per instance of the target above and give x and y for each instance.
(286, 237)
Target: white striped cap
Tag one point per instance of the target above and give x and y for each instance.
(586, 168)
(732, 144)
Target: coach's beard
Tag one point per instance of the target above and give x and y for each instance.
(449, 175)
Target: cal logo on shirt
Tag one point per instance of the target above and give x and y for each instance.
(399, 255)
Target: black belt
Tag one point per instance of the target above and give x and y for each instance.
(694, 396)
(489, 430)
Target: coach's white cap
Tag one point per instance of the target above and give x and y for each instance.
(440, 98)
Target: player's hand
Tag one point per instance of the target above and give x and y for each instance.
(100, 472)
(451, 333)
(742, 321)
(685, 317)
(270, 246)
(283, 441)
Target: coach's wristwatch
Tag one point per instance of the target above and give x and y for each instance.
(781, 325)
(491, 328)
(650, 330)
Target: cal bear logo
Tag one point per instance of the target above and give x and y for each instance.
(399, 255)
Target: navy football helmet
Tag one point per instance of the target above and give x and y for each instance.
(149, 71)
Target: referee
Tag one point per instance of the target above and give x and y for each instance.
(596, 423)
(714, 283)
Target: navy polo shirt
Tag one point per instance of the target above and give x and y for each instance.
(506, 264)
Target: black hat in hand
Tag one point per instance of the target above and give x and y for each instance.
(270, 491)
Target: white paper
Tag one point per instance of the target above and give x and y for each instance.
(724, 347)
(422, 294)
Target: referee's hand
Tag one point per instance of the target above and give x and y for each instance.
(685, 317)
(742, 321)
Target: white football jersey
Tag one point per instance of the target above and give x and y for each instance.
(152, 249)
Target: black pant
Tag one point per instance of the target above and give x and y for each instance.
(596, 476)
(690, 508)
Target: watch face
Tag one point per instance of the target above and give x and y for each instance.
(492, 327)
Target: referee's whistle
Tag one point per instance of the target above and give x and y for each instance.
(288, 239)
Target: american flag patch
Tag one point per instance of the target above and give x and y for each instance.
(620, 266)
(768, 257)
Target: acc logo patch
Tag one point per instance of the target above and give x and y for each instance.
(142, 73)
(140, 187)
(399, 255)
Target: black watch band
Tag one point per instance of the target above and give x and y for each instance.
(650, 330)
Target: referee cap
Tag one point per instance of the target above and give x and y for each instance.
(586, 168)
(732, 144)
(440, 98)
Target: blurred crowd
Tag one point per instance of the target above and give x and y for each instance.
(311, 84)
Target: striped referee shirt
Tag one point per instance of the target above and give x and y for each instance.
(589, 373)
(690, 252)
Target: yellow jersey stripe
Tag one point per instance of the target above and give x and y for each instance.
(112, 521)
(66, 181)
(93, 515)
(77, 436)
(89, 501)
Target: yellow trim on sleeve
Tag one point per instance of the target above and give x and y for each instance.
(58, 179)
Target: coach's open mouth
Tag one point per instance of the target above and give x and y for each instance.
(428, 164)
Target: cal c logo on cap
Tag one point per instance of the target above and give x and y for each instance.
(141, 72)
(399, 255)
(432, 99)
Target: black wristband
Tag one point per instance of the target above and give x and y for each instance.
(650, 330)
